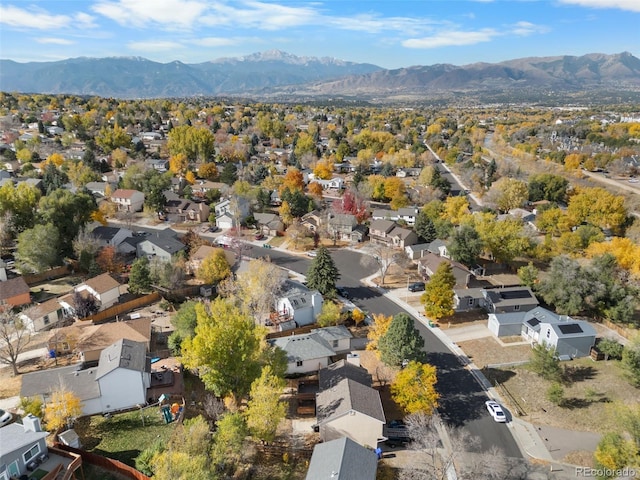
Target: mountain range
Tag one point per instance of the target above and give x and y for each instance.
(279, 75)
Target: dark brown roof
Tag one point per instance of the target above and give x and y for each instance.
(12, 288)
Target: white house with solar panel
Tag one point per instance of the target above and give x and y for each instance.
(569, 338)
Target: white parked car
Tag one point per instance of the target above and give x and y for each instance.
(5, 418)
(312, 253)
(496, 411)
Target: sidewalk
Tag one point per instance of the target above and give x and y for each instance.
(524, 433)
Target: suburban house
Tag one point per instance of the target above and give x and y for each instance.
(104, 288)
(236, 207)
(569, 338)
(120, 381)
(339, 337)
(128, 200)
(332, 183)
(111, 236)
(429, 263)
(201, 187)
(338, 371)
(386, 232)
(183, 210)
(407, 214)
(350, 409)
(100, 188)
(24, 450)
(342, 459)
(224, 221)
(340, 226)
(298, 303)
(468, 299)
(14, 292)
(202, 252)
(306, 353)
(414, 252)
(162, 247)
(268, 223)
(43, 315)
(312, 221)
(509, 299)
(88, 342)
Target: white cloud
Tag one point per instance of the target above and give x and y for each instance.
(33, 18)
(154, 46)
(54, 41)
(216, 41)
(629, 5)
(260, 15)
(172, 14)
(452, 38)
(527, 28)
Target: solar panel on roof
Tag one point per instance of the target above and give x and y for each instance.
(513, 294)
(533, 322)
(570, 328)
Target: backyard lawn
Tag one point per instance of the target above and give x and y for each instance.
(123, 436)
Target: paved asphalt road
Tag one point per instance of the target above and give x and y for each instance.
(462, 398)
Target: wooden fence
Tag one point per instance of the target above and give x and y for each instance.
(295, 331)
(121, 308)
(626, 332)
(35, 278)
(106, 463)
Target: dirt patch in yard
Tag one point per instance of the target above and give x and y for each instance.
(488, 351)
(588, 398)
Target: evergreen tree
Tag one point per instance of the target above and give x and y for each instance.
(425, 228)
(323, 274)
(140, 276)
(401, 342)
(466, 245)
(229, 173)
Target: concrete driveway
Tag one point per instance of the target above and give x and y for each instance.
(466, 333)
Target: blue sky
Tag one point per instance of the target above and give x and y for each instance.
(388, 33)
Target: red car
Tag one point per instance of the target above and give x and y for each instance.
(259, 236)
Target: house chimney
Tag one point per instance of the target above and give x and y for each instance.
(353, 359)
(31, 423)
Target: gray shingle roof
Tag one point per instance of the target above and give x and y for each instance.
(342, 459)
(168, 244)
(308, 346)
(339, 332)
(345, 396)
(334, 373)
(81, 382)
(14, 436)
(123, 354)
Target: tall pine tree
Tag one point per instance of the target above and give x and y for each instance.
(323, 274)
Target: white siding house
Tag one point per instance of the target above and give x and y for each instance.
(306, 353)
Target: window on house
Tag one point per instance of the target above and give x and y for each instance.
(299, 363)
(548, 333)
(516, 307)
(335, 344)
(471, 302)
(46, 319)
(31, 453)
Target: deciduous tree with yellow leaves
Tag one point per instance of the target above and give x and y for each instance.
(414, 388)
(62, 410)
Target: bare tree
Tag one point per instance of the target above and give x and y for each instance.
(213, 407)
(446, 449)
(14, 337)
(382, 257)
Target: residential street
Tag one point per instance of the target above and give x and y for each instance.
(462, 398)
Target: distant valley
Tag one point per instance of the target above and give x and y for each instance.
(276, 75)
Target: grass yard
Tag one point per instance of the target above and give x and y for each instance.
(123, 436)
